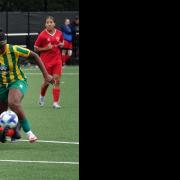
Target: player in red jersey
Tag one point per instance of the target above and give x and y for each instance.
(48, 44)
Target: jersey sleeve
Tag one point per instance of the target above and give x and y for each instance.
(22, 52)
(39, 41)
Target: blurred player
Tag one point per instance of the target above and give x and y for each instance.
(13, 133)
(68, 37)
(13, 84)
(48, 45)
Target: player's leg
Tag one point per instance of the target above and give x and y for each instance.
(3, 106)
(64, 56)
(69, 51)
(13, 133)
(44, 87)
(15, 96)
(3, 99)
(57, 71)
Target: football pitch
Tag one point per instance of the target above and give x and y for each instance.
(56, 153)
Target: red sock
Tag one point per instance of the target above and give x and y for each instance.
(43, 90)
(10, 132)
(1, 129)
(56, 94)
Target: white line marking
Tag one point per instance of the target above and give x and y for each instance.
(43, 162)
(54, 142)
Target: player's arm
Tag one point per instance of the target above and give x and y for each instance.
(40, 49)
(61, 43)
(38, 61)
(39, 44)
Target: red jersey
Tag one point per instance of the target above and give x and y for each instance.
(53, 55)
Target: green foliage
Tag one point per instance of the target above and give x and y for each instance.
(40, 5)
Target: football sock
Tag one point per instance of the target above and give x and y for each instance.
(1, 129)
(10, 132)
(56, 94)
(25, 125)
(29, 132)
(43, 90)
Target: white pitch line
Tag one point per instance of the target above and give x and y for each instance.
(54, 142)
(42, 162)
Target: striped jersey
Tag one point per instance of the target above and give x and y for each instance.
(9, 67)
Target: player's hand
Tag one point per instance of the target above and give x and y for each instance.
(61, 45)
(49, 79)
(50, 46)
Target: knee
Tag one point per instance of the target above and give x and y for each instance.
(57, 83)
(70, 53)
(57, 80)
(45, 84)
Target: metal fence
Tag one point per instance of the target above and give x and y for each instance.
(22, 28)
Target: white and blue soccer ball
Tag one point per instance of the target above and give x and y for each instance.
(8, 119)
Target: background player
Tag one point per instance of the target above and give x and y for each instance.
(68, 37)
(48, 45)
(13, 84)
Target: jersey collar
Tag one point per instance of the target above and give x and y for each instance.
(50, 33)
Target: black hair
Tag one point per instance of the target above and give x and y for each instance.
(2, 35)
(50, 17)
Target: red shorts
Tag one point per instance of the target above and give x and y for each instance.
(67, 45)
(54, 68)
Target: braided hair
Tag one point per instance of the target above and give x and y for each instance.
(3, 40)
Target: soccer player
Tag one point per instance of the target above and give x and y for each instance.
(13, 83)
(48, 44)
(68, 37)
(13, 133)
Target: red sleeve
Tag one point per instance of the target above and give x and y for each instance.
(39, 41)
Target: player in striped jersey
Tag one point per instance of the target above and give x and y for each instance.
(13, 83)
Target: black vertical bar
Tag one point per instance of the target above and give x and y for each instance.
(7, 23)
(28, 29)
(45, 5)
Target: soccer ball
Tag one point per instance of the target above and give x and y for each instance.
(8, 119)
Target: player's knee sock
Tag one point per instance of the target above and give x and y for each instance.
(43, 90)
(1, 129)
(56, 94)
(25, 125)
(10, 132)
